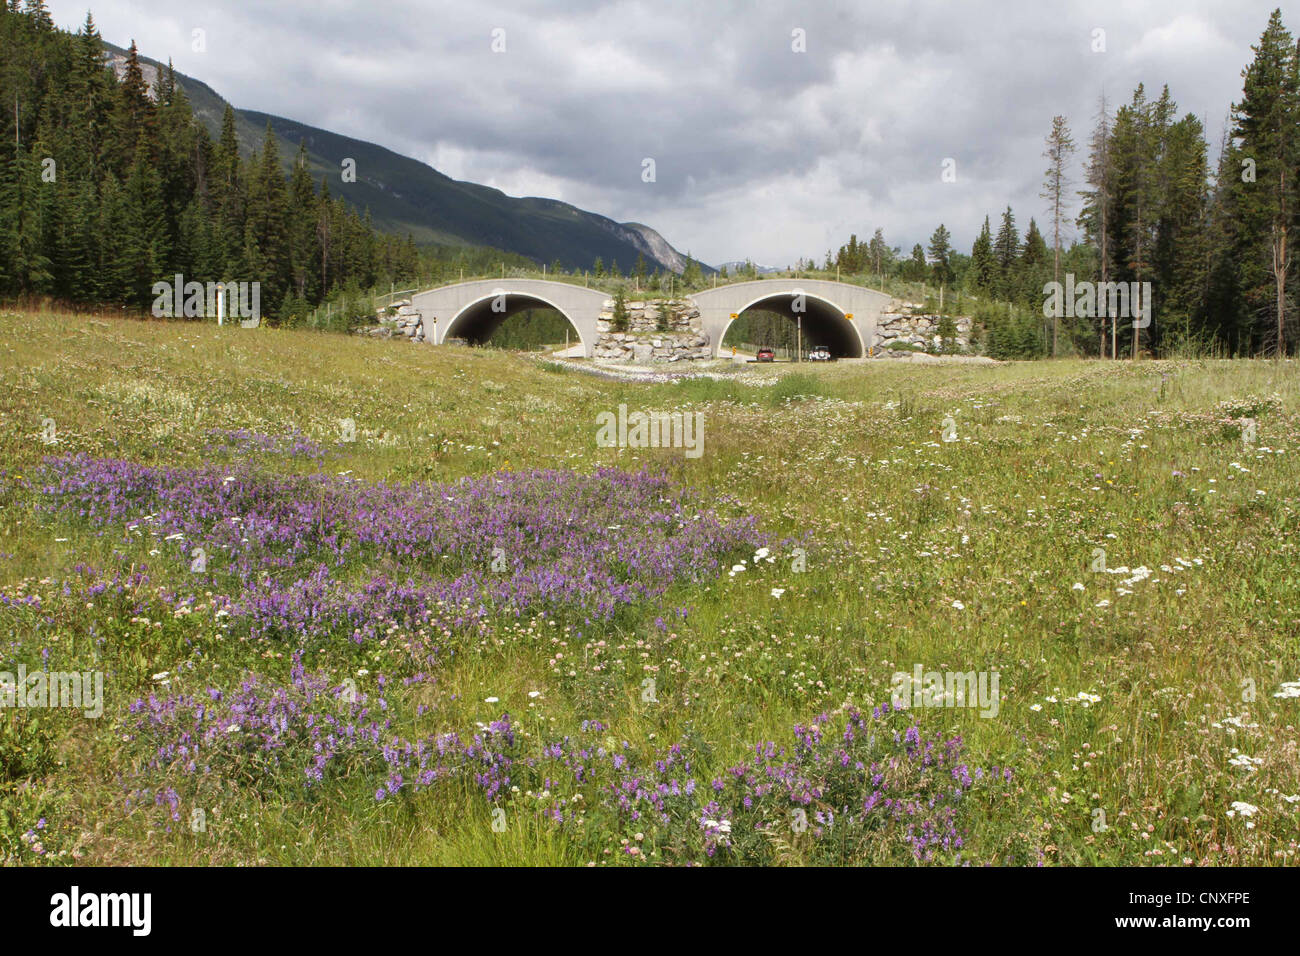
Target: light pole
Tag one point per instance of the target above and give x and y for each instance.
(798, 320)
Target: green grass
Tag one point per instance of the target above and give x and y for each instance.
(958, 555)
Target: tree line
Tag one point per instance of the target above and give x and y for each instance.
(1215, 244)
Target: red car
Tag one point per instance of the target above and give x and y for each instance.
(765, 354)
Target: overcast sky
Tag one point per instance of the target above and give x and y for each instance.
(759, 150)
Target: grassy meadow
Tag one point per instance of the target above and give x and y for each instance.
(1117, 541)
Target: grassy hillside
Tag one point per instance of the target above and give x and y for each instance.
(355, 674)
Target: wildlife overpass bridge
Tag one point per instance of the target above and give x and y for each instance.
(840, 316)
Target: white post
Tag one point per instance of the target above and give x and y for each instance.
(221, 302)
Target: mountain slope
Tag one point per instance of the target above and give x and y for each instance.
(405, 195)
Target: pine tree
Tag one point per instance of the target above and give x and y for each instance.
(663, 317)
(1266, 122)
(1032, 268)
(144, 240)
(1006, 250)
(134, 121)
(1095, 216)
(914, 270)
(177, 149)
(1222, 311)
(228, 199)
(92, 93)
(692, 275)
(113, 267)
(22, 225)
(1135, 146)
(947, 332)
(941, 254)
(39, 15)
(303, 241)
(266, 226)
(619, 321)
(1180, 243)
(325, 237)
(983, 266)
(1060, 145)
(880, 252)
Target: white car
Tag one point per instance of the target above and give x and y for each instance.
(820, 353)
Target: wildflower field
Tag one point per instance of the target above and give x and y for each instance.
(363, 602)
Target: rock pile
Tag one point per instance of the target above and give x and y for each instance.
(401, 318)
(907, 324)
(643, 343)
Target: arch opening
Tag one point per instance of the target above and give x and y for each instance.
(822, 324)
(479, 322)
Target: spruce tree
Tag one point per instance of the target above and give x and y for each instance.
(914, 270)
(134, 121)
(983, 267)
(1032, 269)
(619, 319)
(266, 227)
(1265, 126)
(1006, 250)
(303, 241)
(941, 255)
(144, 238)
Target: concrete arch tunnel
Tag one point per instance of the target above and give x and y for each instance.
(822, 322)
(474, 310)
(478, 321)
(841, 316)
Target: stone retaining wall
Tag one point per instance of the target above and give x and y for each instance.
(406, 321)
(642, 343)
(905, 322)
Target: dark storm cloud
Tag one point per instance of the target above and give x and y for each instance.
(760, 151)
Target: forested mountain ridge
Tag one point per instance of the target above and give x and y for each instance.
(404, 195)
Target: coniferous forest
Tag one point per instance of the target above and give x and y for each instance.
(106, 188)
